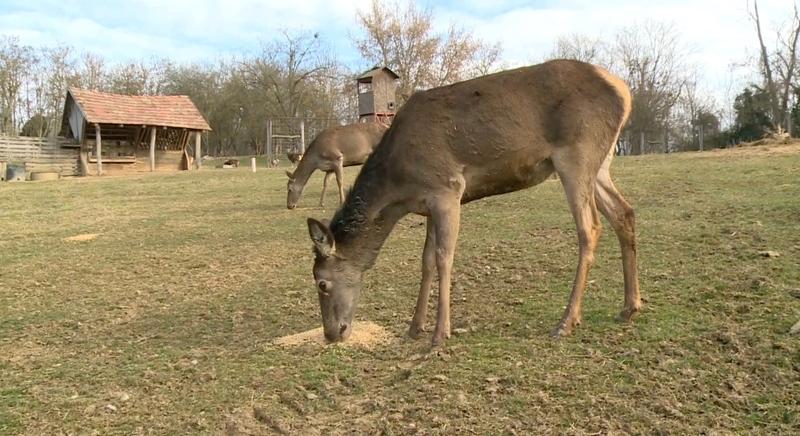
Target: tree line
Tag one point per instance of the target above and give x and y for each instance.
(296, 74)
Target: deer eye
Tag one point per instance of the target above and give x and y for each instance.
(324, 286)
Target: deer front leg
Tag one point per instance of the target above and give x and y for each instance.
(446, 216)
(328, 175)
(339, 170)
(428, 265)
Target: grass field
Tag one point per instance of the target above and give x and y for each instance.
(164, 322)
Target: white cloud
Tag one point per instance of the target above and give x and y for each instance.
(718, 30)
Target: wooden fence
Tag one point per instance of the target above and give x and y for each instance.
(41, 154)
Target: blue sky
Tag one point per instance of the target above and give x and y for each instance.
(717, 31)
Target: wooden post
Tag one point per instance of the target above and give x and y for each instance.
(253, 164)
(197, 142)
(152, 148)
(269, 143)
(83, 157)
(303, 136)
(98, 149)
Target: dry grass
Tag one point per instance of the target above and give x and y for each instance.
(165, 324)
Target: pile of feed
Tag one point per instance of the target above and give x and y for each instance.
(365, 334)
(81, 238)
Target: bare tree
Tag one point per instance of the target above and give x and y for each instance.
(15, 63)
(650, 57)
(285, 69)
(581, 48)
(92, 74)
(401, 37)
(60, 74)
(139, 77)
(779, 67)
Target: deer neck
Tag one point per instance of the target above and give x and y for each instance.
(304, 169)
(364, 222)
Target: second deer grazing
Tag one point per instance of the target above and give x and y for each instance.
(487, 136)
(332, 150)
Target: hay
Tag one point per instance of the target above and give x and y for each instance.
(81, 238)
(365, 334)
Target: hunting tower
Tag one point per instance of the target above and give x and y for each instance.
(377, 100)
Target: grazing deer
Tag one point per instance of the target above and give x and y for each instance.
(332, 150)
(487, 136)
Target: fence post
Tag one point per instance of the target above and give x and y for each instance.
(303, 136)
(269, 143)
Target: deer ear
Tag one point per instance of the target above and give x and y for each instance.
(321, 236)
(289, 174)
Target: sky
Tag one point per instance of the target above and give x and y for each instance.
(717, 33)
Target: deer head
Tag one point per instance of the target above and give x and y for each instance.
(338, 283)
(293, 191)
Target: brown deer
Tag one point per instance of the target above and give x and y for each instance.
(487, 136)
(332, 150)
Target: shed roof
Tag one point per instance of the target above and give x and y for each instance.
(369, 74)
(176, 111)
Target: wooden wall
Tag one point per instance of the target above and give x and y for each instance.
(41, 153)
(166, 160)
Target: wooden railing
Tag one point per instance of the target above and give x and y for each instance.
(41, 154)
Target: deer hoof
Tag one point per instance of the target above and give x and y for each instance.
(439, 339)
(565, 328)
(414, 332)
(628, 314)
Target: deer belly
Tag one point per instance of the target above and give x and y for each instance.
(500, 180)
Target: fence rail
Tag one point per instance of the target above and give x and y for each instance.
(58, 153)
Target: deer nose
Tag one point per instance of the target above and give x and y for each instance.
(291, 206)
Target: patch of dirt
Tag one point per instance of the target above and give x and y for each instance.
(365, 334)
(82, 237)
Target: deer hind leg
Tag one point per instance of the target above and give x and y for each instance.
(579, 186)
(428, 269)
(620, 214)
(325, 180)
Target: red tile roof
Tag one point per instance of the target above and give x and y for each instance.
(148, 110)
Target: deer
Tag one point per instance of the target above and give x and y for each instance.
(455, 144)
(332, 150)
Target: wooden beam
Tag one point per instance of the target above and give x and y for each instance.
(83, 157)
(98, 149)
(197, 142)
(135, 138)
(152, 149)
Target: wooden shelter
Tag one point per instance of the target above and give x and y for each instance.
(124, 133)
(377, 95)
